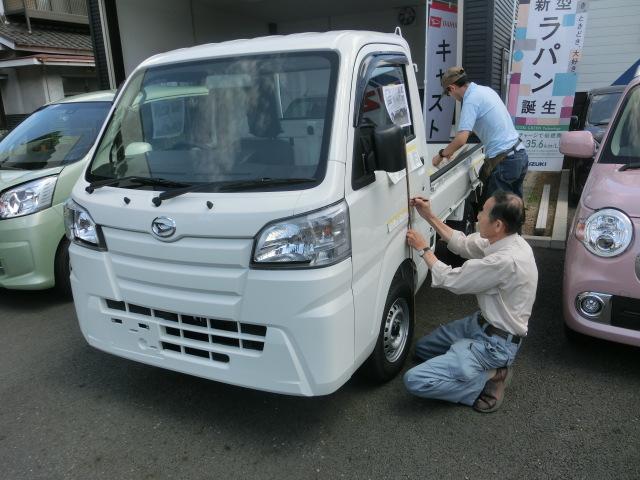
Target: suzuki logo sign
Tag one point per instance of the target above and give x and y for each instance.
(163, 227)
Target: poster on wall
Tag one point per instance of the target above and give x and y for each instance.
(547, 47)
(440, 54)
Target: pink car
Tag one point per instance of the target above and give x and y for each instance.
(601, 295)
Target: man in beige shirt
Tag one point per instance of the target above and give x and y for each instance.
(469, 361)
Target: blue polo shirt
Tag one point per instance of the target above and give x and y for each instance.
(484, 113)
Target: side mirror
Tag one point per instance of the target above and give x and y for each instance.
(579, 144)
(390, 148)
(137, 148)
(574, 122)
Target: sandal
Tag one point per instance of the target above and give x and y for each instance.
(492, 396)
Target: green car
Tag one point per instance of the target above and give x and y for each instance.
(40, 161)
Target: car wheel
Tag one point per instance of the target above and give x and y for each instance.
(394, 338)
(62, 268)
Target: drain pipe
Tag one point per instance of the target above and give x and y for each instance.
(26, 15)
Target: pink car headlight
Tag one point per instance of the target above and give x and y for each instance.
(605, 233)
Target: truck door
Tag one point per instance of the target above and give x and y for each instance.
(377, 200)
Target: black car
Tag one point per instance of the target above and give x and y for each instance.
(594, 115)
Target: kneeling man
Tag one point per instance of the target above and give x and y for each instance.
(469, 361)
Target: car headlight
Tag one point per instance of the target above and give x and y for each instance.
(315, 239)
(28, 198)
(606, 233)
(80, 227)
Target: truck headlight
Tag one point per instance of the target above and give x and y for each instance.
(605, 233)
(315, 239)
(28, 198)
(80, 227)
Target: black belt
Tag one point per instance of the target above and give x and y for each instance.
(491, 330)
(512, 150)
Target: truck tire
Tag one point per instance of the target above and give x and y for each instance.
(394, 339)
(62, 269)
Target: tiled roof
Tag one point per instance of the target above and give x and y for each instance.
(44, 37)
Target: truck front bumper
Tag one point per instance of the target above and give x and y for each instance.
(293, 334)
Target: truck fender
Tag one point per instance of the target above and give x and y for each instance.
(396, 266)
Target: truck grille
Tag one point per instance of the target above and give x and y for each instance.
(180, 332)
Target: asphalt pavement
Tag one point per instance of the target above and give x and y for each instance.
(68, 411)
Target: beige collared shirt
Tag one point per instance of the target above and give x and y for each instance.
(503, 276)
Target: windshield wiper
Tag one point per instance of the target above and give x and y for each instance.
(630, 166)
(134, 179)
(231, 185)
(7, 167)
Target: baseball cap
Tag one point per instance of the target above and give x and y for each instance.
(451, 75)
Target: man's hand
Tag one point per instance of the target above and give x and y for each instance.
(437, 159)
(416, 240)
(423, 206)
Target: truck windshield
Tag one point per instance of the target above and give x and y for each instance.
(623, 144)
(212, 122)
(55, 135)
(601, 108)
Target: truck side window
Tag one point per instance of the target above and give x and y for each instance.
(374, 113)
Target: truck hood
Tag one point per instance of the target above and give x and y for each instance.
(9, 178)
(232, 215)
(608, 187)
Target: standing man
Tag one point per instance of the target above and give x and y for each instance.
(484, 113)
(469, 361)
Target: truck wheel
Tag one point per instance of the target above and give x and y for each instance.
(394, 339)
(62, 269)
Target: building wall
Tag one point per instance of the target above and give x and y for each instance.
(33, 89)
(611, 43)
(379, 21)
(28, 88)
(212, 25)
(487, 33)
(11, 92)
(148, 27)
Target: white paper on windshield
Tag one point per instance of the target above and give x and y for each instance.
(168, 118)
(395, 99)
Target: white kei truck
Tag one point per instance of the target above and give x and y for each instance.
(244, 214)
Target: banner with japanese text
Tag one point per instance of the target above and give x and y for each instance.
(440, 54)
(547, 46)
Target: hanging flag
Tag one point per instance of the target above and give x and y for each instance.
(547, 47)
(440, 54)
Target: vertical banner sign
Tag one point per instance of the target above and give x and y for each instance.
(440, 54)
(547, 47)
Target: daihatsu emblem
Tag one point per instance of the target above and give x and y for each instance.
(163, 227)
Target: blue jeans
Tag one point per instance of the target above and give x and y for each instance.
(458, 358)
(508, 175)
